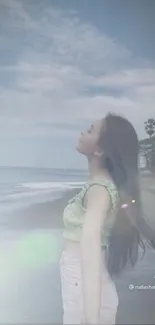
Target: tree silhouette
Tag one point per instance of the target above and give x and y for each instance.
(150, 127)
(150, 130)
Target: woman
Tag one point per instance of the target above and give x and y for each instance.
(103, 223)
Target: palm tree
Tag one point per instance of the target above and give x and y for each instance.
(150, 127)
(150, 130)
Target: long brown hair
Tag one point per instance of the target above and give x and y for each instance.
(120, 144)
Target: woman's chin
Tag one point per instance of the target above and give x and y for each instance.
(80, 151)
(77, 147)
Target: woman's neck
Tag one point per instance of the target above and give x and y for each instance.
(96, 171)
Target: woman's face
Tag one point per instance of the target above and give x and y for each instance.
(88, 141)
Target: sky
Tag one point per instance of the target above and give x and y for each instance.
(64, 64)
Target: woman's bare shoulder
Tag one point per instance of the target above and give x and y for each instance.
(98, 197)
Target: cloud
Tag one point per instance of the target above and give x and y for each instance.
(132, 77)
(61, 61)
(16, 15)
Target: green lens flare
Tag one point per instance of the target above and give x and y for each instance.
(36, 250)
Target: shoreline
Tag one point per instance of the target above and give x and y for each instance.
(41, 215)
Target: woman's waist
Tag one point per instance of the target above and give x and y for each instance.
(73, 248)
(73, 235)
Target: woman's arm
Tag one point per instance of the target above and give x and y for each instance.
(97, 207)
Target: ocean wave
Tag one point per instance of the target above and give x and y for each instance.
(22, 195)
(20, 188)
(52, 185)
(28, 193)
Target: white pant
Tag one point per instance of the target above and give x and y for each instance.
(71, 286)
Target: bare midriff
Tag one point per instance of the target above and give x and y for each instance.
(72, 248)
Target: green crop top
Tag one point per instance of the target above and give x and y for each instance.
(73, 215)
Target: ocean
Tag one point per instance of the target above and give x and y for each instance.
(21, 187)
